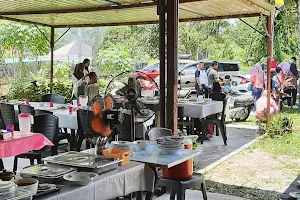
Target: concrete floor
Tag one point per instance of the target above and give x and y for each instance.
(215, 149)
(197, 195)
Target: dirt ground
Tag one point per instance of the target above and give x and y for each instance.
(254, 174)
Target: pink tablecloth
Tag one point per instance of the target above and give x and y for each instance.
(23, 143)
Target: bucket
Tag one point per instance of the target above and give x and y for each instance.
(183, 171)
(24, 123)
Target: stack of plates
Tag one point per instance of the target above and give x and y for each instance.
(8, 189)
(122, 145)
(170, 144)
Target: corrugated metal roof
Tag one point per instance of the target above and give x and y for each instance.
(72, 13)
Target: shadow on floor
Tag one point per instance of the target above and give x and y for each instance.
(240, 191)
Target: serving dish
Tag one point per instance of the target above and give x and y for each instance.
(89, 162)
(81, 178)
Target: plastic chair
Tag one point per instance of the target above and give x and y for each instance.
(55, 98)
(26, 109)
(61, 135)
(8, 115)
(1, 165)
(157, 132)
(40, 112)
(178, 187)
(47, 125)
(219, 123)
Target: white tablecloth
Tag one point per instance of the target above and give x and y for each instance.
(124, 180)
(196, 110)
(66, 120)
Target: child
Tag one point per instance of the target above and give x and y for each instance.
(92, 88)
(227, 85)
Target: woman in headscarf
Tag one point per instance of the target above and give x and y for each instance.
(292, 90)
(261, 106)
(257, 81)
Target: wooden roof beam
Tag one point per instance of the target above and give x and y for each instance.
(156, 21)
(23, 21)
(90, 9)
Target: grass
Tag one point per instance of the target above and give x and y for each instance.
(286, 145)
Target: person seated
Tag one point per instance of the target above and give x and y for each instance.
(132, 83)
(261, 106)
(92, 89)
(227, 85)
(216, 94)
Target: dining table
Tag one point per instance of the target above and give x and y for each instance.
(192, 108)
(124, 180)
(69, 120)
(21, 143)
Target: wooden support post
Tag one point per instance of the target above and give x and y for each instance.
(52, 56)
(269, 59)
(172, 64)
(161, 8)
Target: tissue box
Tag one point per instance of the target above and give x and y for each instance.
(4, 135)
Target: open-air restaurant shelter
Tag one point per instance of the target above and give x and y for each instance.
(140, 173)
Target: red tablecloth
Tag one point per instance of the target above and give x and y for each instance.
(22, 143)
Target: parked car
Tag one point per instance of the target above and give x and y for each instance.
(153, 70)
(232, 68)
(239, 84)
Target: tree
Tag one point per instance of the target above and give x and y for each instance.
(23, 40)
(114, 60)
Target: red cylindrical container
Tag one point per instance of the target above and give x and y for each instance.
(70, 110)
(182, 171)
(51, 104)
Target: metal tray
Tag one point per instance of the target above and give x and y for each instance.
(84, 160)
(46, 171)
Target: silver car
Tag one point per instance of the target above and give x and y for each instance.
(187, 74)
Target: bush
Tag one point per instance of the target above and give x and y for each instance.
(26, 90)
(280, 125)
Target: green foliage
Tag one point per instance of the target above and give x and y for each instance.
(62, 70)
(24, 40)
(102, 85)
(24, 89)
(114, 60)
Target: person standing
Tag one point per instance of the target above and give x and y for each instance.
(78, 81)
(201, 81)
(293, 89)
(212, 74)
(257, 81)
(86, 62)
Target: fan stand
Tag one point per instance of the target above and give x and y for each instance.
(132, 125)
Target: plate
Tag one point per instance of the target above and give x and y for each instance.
(46, 186)
(295, 194)
(5, 185)
(81, 178)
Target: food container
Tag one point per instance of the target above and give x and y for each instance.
(6, 176)
(182, 171)
(29, 184)
(116, 153)
(49, 173)
(84, 161)
(81, 178)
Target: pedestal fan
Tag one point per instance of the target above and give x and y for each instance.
(129, 97)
